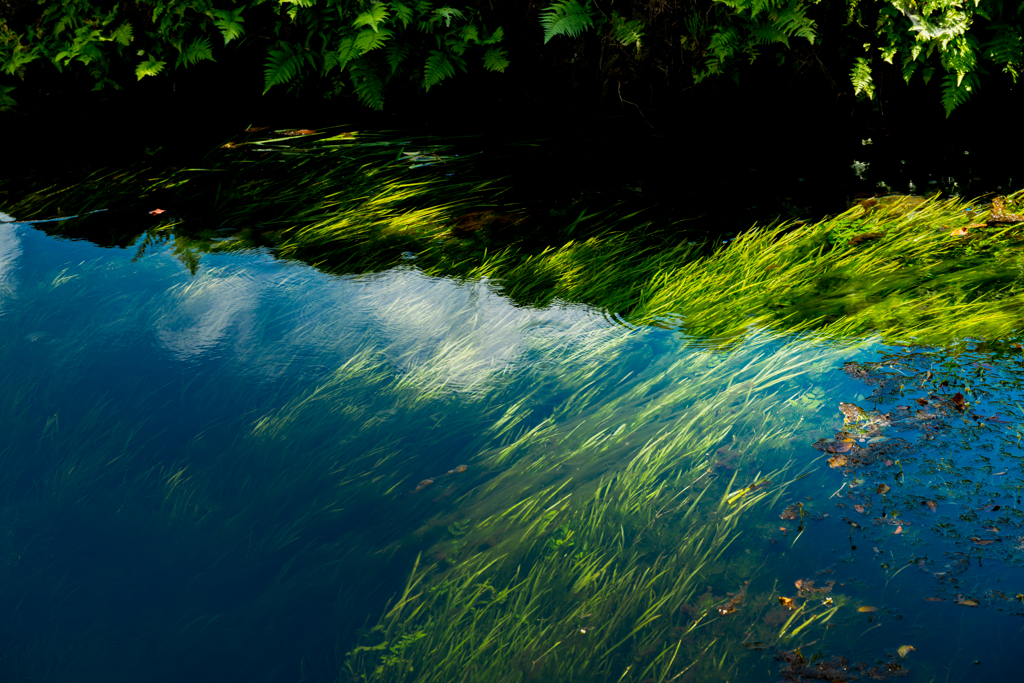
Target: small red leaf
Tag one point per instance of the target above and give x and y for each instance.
(156, 212)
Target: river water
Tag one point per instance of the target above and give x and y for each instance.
(232, 474)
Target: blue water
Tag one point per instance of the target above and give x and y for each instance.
(226, 475)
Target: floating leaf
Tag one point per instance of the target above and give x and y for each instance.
(959, 232)
(157, 212)
(899, 530)
(904, 649)
(787, 603)
(935, 599)
(859, 508)
(837, 461)
(978, 541)
(966, 602)
(958, 401)
(756, 645)
(867, 608)
(932, 505)
(921, 401)
(883, 489)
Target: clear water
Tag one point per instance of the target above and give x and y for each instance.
(229, 476)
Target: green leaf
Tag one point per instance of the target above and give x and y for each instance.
(566, 17)
(123, 34)
(373, 18)
(437, 68)
(150, 67)
(197, 51)
(627, 32)
(496, 37)
(957, 88)
(860, 76)
(494, 59)
(396, 52)
(368, 39)
(229, 22)
(368, 85)
(448, 13)
(403, 12)
(281, 66)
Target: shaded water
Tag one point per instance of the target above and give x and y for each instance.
(232, 474)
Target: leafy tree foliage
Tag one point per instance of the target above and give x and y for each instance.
(961, 40)
(362, 46)
(347, 43)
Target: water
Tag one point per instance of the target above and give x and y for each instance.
(233, 474)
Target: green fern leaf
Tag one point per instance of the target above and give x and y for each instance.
(723, 44)
(403, 12)
(396, 53)
(447, 14)
(956, 89)
(282, 66)
(437, 68)
(627, 32)
(373, 18)
(860, 76)
(1005, 46)
(793, 21)
(229, 22)
(765, 33)
(6, 101)
(494, 59)
(368, 85)
(566, 18)
(368, 39)
(197, 51)
(909, 67)
(150, 67)
(122, 34)
(495, 37)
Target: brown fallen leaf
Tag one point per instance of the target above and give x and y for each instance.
(921, 401)
(958, 401)
(966, 602)
(787, 603)
(932, 505)
(157, 212)
(298, 131)
(883, 489)
(936, 599)
(877, 550)
(867, 608)
(837, 461)
(859, 508)
(799, 584)
(904, 649)
(899, 530)
(958, 232)
(978, 541)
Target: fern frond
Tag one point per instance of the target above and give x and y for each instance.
(282, 66)
(1005, 46)
(6, 101)
(437, 68)
(496, 37)
(345, 53)
(122, 34)
(627, 32)
(229, 22)
(793, 21)
(860, 76)
(956, 89)
(765, 34)
(374, 17)
(197, 51)
(494, 59)
(723, 44)
(403, 12)
(368, 85)
(150, 67)
(448, 13)
(368, 39)
(396, 53)
(566, 17)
